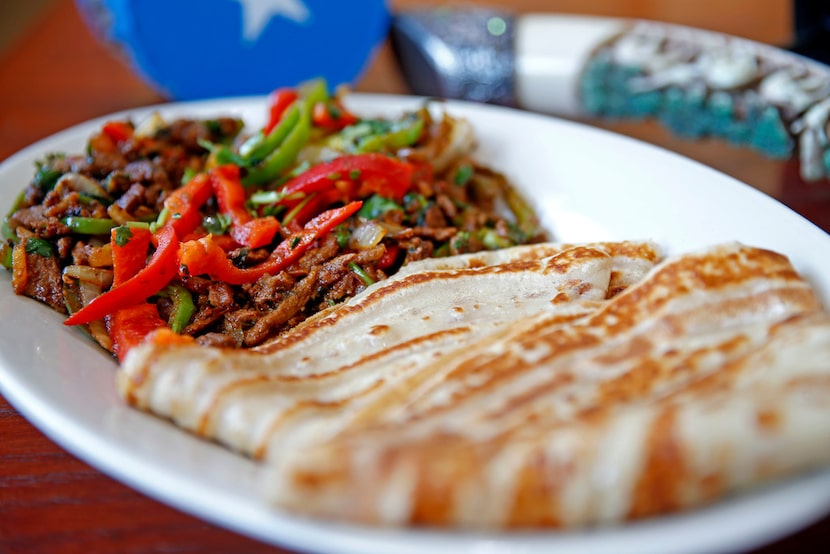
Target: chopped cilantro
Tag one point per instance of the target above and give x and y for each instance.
(418, 201)
(463, 175)
(460, 241)
(216, 224)
(376, 205)
(213, 126)
(40, 247)
(341, 233)
(334, 111)
(222, 154)
(123, 234)
(46, 176)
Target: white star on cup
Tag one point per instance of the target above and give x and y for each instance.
(256, 14)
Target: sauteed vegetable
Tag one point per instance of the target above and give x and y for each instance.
(201, 230)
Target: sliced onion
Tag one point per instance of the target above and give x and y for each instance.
(391, 228)
(367, 234)
(460, 142)
(81, 183)
(20, 269)
(78, 294)
(100, 256)
(93, 275)
(150, 126)
(316, 153)
(98, 330)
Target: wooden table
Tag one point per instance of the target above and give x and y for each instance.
(57, 75)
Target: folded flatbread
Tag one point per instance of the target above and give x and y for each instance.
(547, 386)
(312, 381)
(709, 376)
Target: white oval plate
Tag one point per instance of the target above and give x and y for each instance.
(588, 184)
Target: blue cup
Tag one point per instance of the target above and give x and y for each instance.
(192, 49)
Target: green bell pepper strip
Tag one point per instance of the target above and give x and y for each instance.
(376, 135)
(89, 225)
(223, 154)
(257, 148)
(183, 306)
(286, 154)
(282, 158)
(313, 91)
(526, 219)
(8, 232)
(6, 255)
(402, 134)
(407, 135)
(492, 240)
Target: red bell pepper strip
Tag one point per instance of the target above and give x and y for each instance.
(166, 336)
(118, 131)
(331, 115)
(375, 173)
(309, 207)
(225, 241)
(278, 103)
(389, 257)
(205, 257)
(147, 282)
(256, 233)
(129, 326)
(230, 196)
(129, 252)
(183, 204)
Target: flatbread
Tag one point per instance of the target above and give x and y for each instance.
(309, 383)
(550, 386)
(708, 377)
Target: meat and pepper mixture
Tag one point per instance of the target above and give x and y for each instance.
(195, 227)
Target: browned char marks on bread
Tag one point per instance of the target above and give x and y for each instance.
(663, 472)
(521, 427)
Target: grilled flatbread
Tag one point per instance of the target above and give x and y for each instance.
(308, 384)
(554, 386)
(708, 377)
